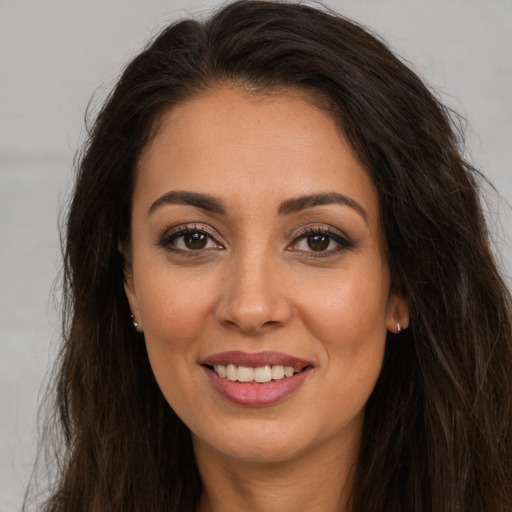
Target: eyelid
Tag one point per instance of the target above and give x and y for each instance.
(169, 234)
(344, 242)
(316, 227)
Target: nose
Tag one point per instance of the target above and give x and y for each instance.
(254, 297)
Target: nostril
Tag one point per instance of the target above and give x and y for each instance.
(253, 300)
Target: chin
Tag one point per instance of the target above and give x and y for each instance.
(274, 441)
(255, 449)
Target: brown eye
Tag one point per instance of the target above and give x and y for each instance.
(195, 240)
(185, 239)
(318, 242)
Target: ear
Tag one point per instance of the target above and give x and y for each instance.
(398, 313)
(129, 286)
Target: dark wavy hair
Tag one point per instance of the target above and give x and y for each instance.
(438, 426)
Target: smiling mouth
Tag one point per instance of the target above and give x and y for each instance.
(252, 375)
(257, 379)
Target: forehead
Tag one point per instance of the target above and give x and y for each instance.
(244, 147)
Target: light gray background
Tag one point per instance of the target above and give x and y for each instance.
(54, 54)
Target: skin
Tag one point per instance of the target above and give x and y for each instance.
(258, 285)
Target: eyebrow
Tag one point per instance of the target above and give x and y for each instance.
(197, 199)
(294, 205)
(308, 201)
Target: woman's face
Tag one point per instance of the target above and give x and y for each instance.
(257, 269)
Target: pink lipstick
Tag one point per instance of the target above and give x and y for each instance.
(256, 379)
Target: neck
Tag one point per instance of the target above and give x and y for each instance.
(320, 480)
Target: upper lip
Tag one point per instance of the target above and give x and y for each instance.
(255, 359)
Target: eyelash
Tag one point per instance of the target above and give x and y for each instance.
(343, 243)
(168, 241)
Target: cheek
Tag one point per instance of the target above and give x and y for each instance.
(349, 310)
(349, 320)
(174, 306)
(174, 309)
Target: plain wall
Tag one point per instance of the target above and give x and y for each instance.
(54, 54)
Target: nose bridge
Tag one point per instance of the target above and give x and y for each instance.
(252, 295)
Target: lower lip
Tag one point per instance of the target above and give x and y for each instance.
(257, 395)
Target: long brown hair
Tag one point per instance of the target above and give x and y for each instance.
(438, 427)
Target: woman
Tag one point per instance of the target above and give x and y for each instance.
(279, 288)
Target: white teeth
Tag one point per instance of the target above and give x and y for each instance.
(263, 374)
(245, 374)
(232, 372)
(260, 374)
(288, 371)
(277, 372)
